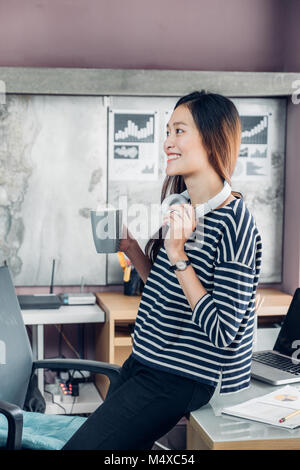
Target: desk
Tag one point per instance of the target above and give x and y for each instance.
(274, 306)
(208, 429)
(66, 314)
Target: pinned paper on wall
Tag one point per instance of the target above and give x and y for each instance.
(133, 145)
(254, 161)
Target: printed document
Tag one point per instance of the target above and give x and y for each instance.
(271, 408)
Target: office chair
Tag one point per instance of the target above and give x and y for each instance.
(24, 429)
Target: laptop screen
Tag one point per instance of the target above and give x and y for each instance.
(288, 341)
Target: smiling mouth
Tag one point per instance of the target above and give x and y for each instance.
(173, 157)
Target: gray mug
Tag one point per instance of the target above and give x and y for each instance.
(107, 229)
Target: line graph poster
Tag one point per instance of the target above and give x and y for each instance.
(253, 162)
(133, 145)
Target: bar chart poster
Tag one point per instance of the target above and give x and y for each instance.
(253, 161)
(133, 145)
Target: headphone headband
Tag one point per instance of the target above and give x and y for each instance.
(201, 209)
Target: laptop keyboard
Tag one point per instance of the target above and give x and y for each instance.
(279, 362)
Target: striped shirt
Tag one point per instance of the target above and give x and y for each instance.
(214, 340)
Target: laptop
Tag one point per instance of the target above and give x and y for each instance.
(282, 364)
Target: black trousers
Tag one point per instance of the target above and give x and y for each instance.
(145, 404)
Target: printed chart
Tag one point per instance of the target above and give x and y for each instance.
(253, 161)
(133, 145)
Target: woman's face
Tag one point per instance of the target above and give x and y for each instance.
(183, 146)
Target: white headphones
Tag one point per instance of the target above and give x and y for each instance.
(201, 209)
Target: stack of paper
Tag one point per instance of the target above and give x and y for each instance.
(271, 408)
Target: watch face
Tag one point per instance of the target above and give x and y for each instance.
(181, 264)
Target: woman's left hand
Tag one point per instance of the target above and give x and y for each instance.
(182, 222)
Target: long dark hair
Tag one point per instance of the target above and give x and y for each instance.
(219, 124)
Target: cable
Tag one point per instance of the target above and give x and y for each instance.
(54, 402)
(59, 328)
(74, 400)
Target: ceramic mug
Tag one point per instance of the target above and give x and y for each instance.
(107, 229)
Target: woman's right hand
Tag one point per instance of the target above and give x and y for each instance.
(130, 246)
(126, 240)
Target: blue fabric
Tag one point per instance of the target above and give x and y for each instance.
(42, 431)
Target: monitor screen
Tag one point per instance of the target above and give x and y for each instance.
(288, 341)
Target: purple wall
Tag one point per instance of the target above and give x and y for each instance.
(292, 40)
(235, 35)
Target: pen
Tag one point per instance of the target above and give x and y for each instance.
(127, 271)
(122, 259)
(282, 420)
(125, 265)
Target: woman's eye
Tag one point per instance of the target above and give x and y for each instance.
(178, 131)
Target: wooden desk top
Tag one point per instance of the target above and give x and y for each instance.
(275, 302)
(119, 306)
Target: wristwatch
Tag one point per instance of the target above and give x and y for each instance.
(180, 265)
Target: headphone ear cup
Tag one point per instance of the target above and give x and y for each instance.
(173, 199)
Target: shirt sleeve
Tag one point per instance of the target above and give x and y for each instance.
(220, 312)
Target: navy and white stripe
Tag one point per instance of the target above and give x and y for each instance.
(215, 338)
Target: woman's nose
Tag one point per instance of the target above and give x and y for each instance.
(168, 142)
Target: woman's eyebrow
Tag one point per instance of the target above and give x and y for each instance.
(177, 122)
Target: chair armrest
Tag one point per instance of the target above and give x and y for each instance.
(14, 417)
(112, 371)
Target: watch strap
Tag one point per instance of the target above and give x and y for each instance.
(174, 267)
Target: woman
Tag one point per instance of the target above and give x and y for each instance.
(194, 326)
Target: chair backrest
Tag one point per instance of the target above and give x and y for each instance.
(15, 350)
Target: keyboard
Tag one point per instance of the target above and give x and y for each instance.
(279, 362)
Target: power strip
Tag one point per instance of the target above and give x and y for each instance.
(66, 389)
(70, 387)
